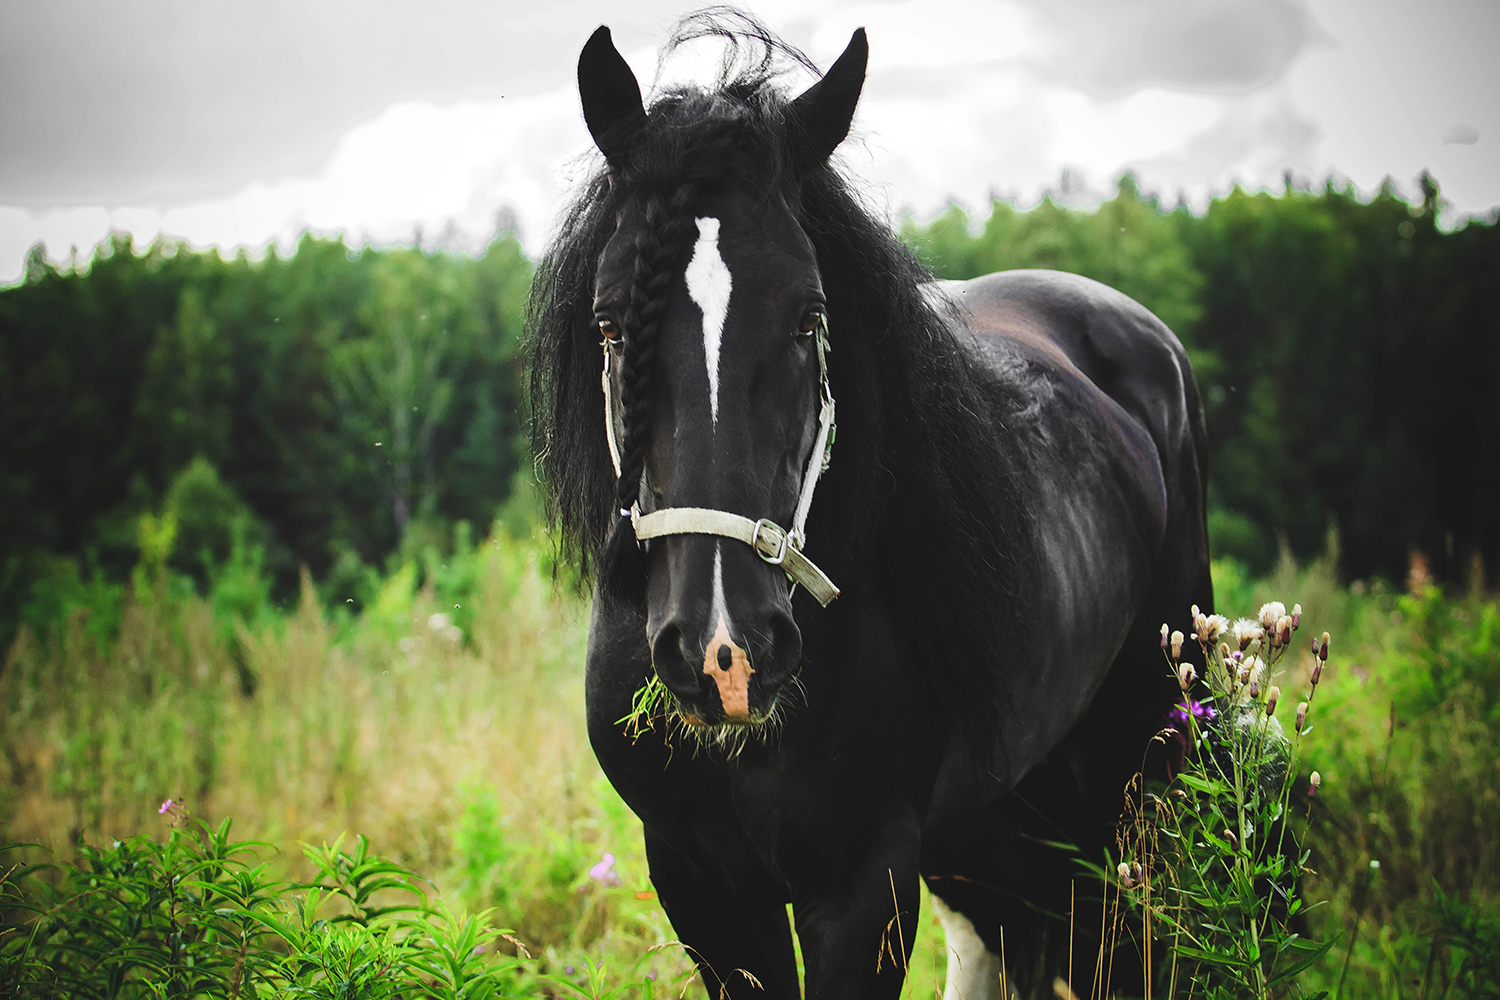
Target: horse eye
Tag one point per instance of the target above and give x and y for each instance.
(608, 330)
(810, 321)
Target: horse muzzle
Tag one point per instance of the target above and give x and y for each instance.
(721, 631)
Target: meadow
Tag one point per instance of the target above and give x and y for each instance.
(444, 722)
(238, 574)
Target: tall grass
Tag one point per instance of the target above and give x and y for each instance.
(444, 721)
(459, 752)
(1406, 837)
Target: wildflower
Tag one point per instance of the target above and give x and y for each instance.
(1254, 689)
(1271, 698)
(1301, 716)
(1234, 842)
(1178, 715)
(1124, 872)
(165, 807)
(1185, 676)
(1312, 785)
(1284, 630)
(1223, 650)
(1210, 627)
(604, 872)
(1246, 632)
(1317, 671)
(1250, 671)
(1136, 870)
(1177, 638)
(1271, 613)
(1164, 635)
(1323, 648)
(1296, 615)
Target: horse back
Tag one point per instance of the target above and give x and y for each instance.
(1092, 332)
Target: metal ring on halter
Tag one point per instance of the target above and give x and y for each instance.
(781, 536)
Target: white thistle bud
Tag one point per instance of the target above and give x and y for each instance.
(1301, 717)
(1313, 783)
(1246, 632)
(1284, 630)
(1185, 676)
(1210, 627)
(1164, 637)
(1271, 613)
(1124, 872)
(1296, 615)
(1177, 638)
(1271, 698)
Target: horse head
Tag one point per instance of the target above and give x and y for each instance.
(711, 312)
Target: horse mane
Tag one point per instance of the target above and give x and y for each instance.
(922, 496)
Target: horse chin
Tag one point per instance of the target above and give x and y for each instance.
(730, 735)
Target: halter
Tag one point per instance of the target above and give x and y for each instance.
(769, 540)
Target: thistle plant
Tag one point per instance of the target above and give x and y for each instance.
(1210, 860)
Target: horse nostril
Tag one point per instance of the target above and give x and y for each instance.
(669, 648)
(726, 659)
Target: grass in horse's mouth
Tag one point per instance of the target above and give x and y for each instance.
(653, 703)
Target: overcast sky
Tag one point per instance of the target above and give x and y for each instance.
(236, 123)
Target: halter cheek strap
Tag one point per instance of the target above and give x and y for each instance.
(770, 541)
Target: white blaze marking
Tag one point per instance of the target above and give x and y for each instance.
(708, 283)
(719, 614)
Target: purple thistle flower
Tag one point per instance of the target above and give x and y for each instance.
(1203, 713)
(165, 806)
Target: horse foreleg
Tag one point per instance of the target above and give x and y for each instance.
(737, 934)
(857, 917)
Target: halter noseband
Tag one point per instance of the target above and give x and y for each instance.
(769, 540)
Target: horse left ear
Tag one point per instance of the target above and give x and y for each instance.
(611, 96)
(821, 116)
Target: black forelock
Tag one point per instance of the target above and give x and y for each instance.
(921, 493)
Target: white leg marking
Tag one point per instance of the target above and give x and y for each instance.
(708, 284)
(973, 970)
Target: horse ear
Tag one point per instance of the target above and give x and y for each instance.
(820, 117)
(611, 97)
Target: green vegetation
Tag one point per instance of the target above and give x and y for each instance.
(236, 501)
(346, 404)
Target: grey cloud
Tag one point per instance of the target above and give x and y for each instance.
(1109, 48)
(151, 100)
(1461, 135)
(1254, 140)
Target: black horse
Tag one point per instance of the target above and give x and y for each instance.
(1013, 501)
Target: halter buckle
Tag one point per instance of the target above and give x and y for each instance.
(780, 538)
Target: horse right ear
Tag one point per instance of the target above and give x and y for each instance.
(611, 96)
